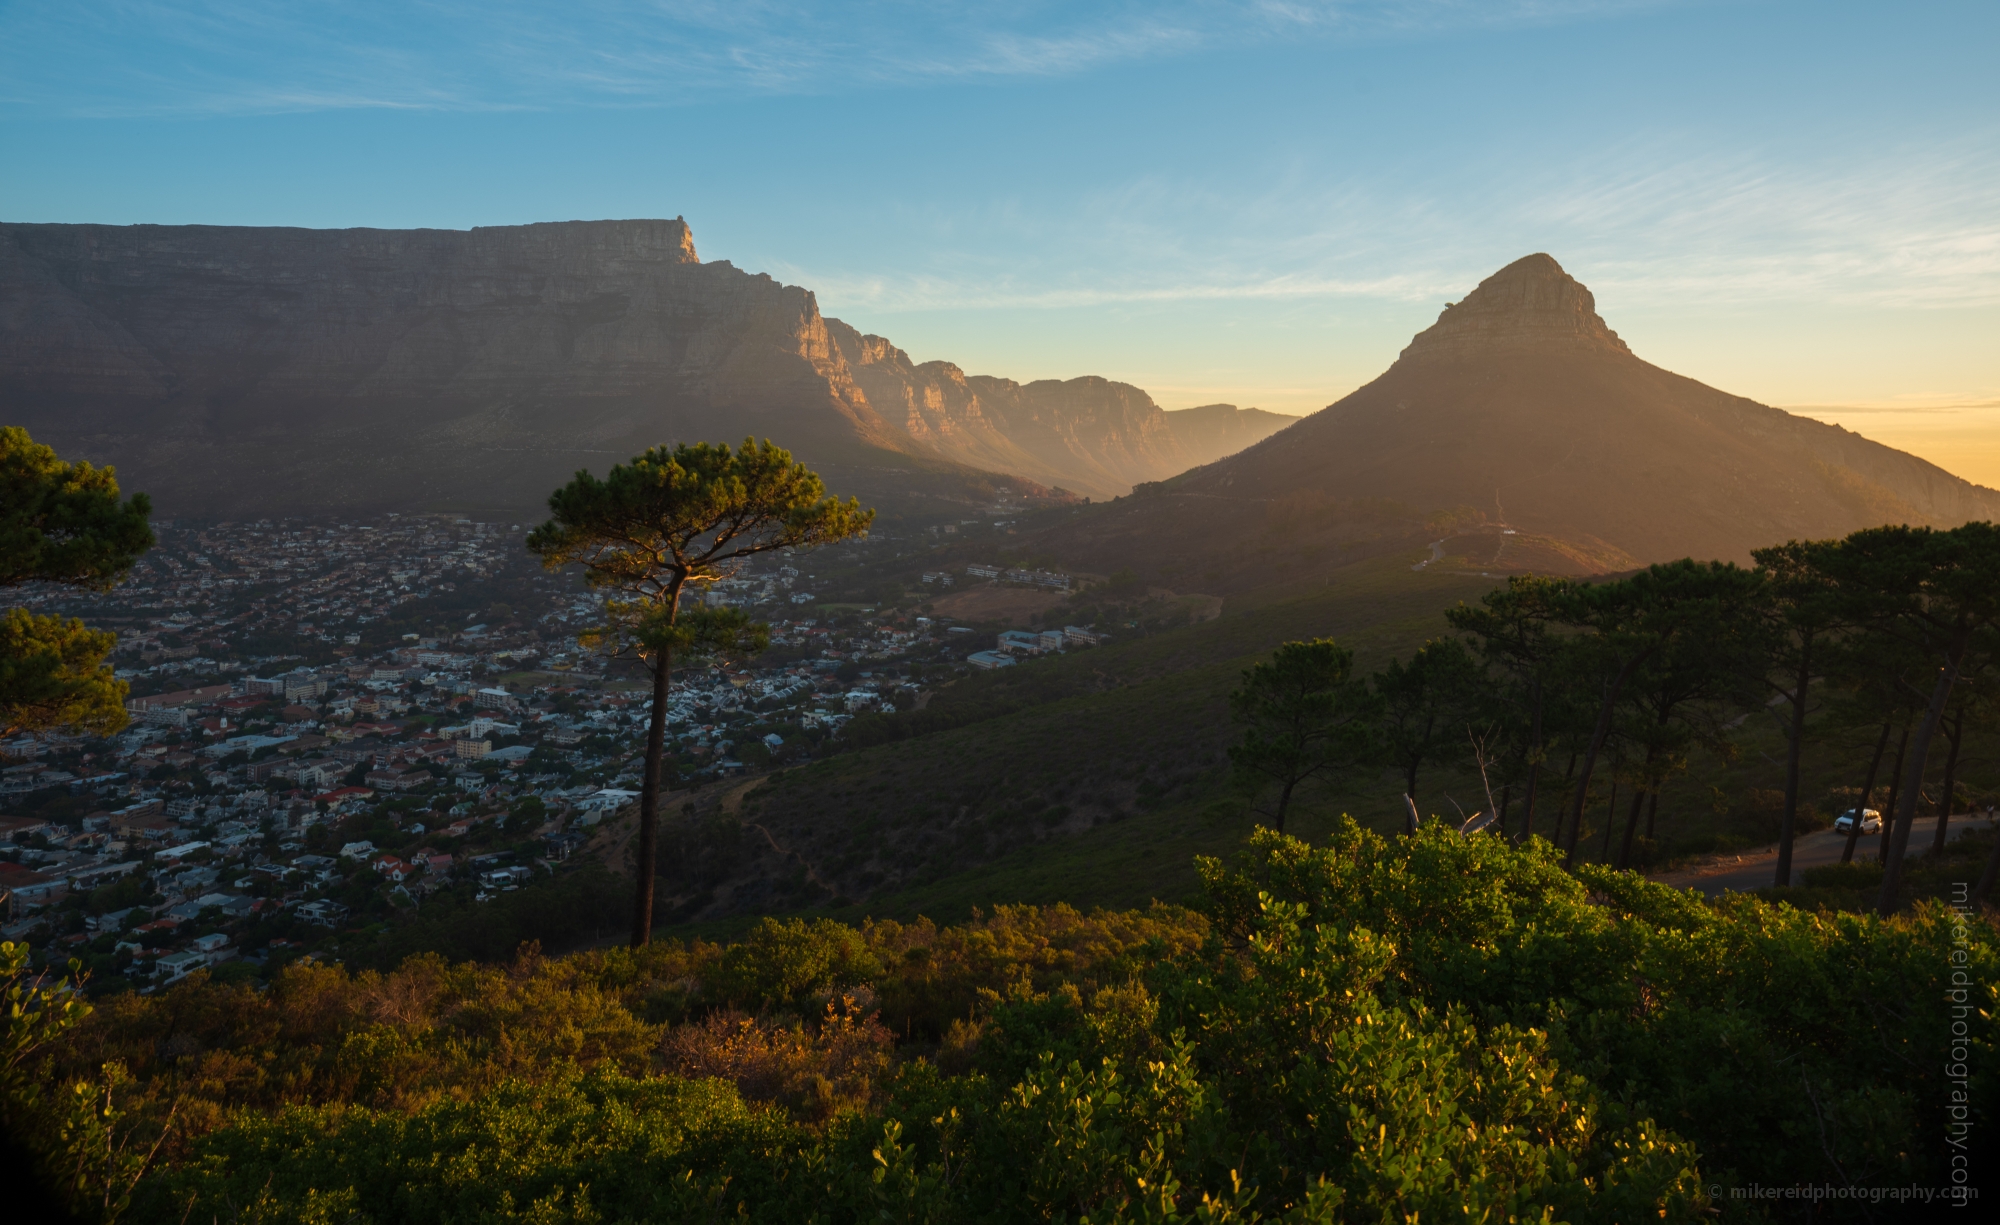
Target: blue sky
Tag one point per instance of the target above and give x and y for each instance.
(1254, 202)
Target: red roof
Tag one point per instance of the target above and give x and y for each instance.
(184, 697)
(13, 875)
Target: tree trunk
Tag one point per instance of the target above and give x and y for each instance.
(1610, 819)
(1955, 735)
(1638, 799)
(1534, 763)
(1284, 801)
(649, 803)
(1867, 789)
(1410, 779)
(1598, 736)
(1556, 837)
(1652, 811)
(1506, 799)
(1895, 790)
(1631, 828)
(1913, 783)
(1788, 821)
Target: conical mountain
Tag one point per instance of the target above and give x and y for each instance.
(1522, 418)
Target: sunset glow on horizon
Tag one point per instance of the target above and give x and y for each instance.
(1237, 203)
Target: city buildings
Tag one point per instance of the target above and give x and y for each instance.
(332, 724)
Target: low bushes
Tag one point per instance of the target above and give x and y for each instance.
(1364, 1029)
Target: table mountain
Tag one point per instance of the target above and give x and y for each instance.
(236, 371)
(1520, 422)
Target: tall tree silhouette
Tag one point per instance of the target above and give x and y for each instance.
(1938, 592)
(667, 521)
(1675, 698)
(1307, 716)
(1804, 618)
(1632, 620)
(1424, 707)
(1513, 632)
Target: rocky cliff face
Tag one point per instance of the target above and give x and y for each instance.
(1530, 306)
(234, 370)
(1089, 435)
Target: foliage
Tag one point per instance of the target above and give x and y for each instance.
(668, 519)
(1364, 1029)
(1784, 1044)
(1937, 595)
(61, 523)
(1426, 708)
(1307, 716)
(53, 675)
(71, 1127)
(671, 517)
(787, 962)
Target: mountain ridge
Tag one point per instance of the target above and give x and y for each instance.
(368, 369)
(1519, 413)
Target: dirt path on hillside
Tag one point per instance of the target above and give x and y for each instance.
(732, 799)
(613, 841)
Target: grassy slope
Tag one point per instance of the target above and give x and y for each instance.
(1128, 738)
(1126, 743)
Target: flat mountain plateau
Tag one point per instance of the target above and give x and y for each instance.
(236, 372)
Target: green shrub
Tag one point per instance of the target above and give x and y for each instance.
(1365, 1029)
(789, 962)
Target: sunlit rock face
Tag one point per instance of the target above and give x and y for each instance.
(1530, 306)
(1089, 435)
(235, 371)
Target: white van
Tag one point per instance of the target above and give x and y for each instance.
(1871, 821)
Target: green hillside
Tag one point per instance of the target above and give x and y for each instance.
(1061, 774)
(1093, 777)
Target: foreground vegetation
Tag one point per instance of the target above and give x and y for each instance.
(1359, 1029)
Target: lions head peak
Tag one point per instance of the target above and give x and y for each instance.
(1530, 306)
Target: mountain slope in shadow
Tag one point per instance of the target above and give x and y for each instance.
(236, 372)
(1522, 433)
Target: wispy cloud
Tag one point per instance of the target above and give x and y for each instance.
(1904, 226)
(151, 57)
(1911, 225)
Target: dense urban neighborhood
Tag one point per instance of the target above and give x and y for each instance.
(333, 724)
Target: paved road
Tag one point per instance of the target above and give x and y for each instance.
(1757, 869)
